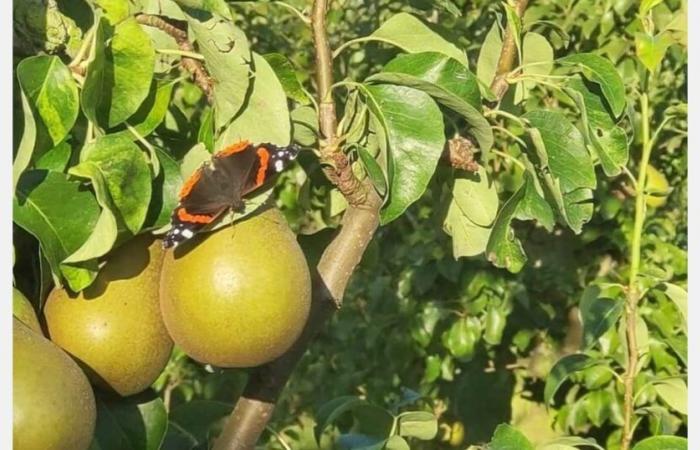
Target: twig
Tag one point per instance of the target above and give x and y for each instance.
(254, 408)
(192, 65)
(506, 60)
(633, 294)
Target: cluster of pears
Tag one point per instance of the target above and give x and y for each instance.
(238, 297)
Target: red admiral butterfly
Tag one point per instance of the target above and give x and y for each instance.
(221, 183)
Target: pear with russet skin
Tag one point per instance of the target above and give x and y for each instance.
(237, 297)
(114, 327)
(53, 405)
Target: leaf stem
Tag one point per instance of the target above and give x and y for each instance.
(633, 294)
(170, 51)
(512, 158)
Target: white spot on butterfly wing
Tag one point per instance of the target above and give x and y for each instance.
(187, 233)
(279, 165)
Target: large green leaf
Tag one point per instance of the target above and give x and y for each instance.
(566, 167)
(166, 187)
(600, 70)
(506, 437)
(562, 370)
(227, 54)
(413, 36)
(533, 205)
(265, 116)
(662, 443)
(55, 159)
(477, 197)
(419, 424)
(538, 59)
(132, 423)
(104, 235)
(601, 307)
(52, 93)
(61, 214)
(504, 248)
(448, 81)
(288, 77)
(674, 391)
(119, 76)
(198, 418)
(152, 111)
(26, 144)
(679, 297)
(489, 53)
(608, 139)
(414, 137)
(128, 178)
(468, 239)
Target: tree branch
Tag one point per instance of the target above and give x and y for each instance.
(194, 67)
(506, 60)
(360, 221)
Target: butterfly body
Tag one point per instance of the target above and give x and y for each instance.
(222, 183)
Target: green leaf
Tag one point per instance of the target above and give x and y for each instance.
(476, 196)
(566, 167)
(131, 423)
(538, 59)
(51, 92)
(461, 338)
(414, 137)
(61, 214)
(164, 198)
(662, 443)
(413, 36)
(468, 239)
(304, 125)
(27, 143)
(608, 139)
(566, 155)
(125, 170)
(332, 410)
(679, 297)
(152, 110)
(104, 235)
(533, 205)
(647, 5)
(652, 49)
(487, 62)
(601, 71)
(569, 442)
(446, 80)
(674, 392)
(374, 171)
(287, 76)
(504, 248)
(601, 307)
(216, 6)
(198, 418)
(227, 58)
(397, 442)
(115, 10)
(563, 369)
(55, 159)
(265, 117)
(419, 424)
(119, 76)
(506, 437)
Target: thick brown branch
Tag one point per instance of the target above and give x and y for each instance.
(194, 67)
(506, 60)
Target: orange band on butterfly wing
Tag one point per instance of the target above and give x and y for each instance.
(189, 184)
(264, 156)
(231, 149)
(183, 215)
